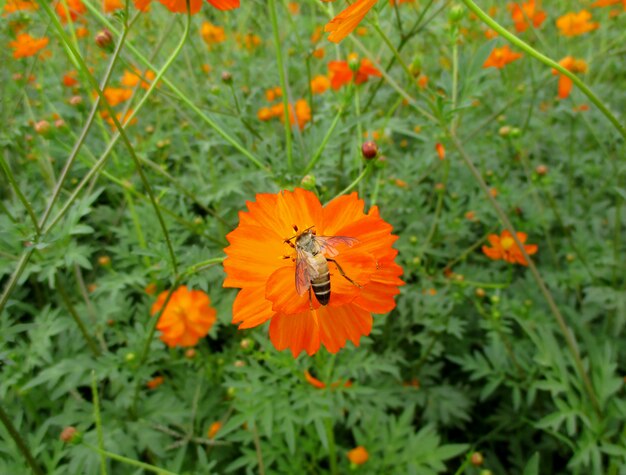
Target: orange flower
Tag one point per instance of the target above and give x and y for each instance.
(110, 6)
(69, 79)
(341, 73)
(187, 317)
(608, 3)
(12, 6)
(441, 151)
(180, 6)
(142, 5)
(293, 7)
(524, 13)
(264, 114)
(320, 84)
(505, 248)
(267, 278)
(116, 95)
(500, 57)
(303, 113)
(212, 34)
(573, 65)
(358, 455)
(318, 53)
(75, 8)
(132, 78)
(213, 430)
(25, 45)
(574, 24)
(273, 93)
(155, 382)
(313, 381)
(82, 32)
(343, 24)
(422, 81)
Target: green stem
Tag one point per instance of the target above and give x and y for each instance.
(283, 83)
(21, 265)
(21, 445)
(357, 180)
(567, 334)
(320, 149)
(128, 461)
(18, 192)
(79, 322)
(547, 61)
(332, 449)
(98, 419)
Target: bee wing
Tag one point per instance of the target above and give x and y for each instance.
(328, 243)
(303, 277)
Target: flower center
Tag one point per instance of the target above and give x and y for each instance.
(507, 243)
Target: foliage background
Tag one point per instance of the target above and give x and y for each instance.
(448, 372)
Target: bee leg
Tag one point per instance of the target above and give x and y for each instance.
(310, 299)
(342, 272)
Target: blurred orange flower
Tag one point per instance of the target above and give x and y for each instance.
(574, 24)
(116, 95)
(12, 6)
(187, 317)
(142, 5)
(267, 278)
(132, 78)
(25, 45)
(213, 429)
(302, 113)
(341, 73)
(320, 84)
(212, 34)
(155, 382)
(524, 13)
(500, 57)
(313, 381)
(608, 3)
(343, 24)
(273, 93)
(75, 8)
(573, 65)
(110, 6)
(180, 6)
(358, 455)
(69, 79)
(505, 248)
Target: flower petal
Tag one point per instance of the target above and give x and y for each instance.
(250, 307)
(298, 332)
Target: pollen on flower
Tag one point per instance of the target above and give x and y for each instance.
(505, 248)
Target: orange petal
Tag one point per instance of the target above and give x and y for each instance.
(565, 86)
(281, 291)
(340, 324)
(531, 249)
(251, 308)
(297, 332)
(343, 24)
(340, 211)
(224, 4)
(493, 253)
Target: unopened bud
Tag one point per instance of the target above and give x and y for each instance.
(541, 170)
(308, 182)
(477, 459)
(104, 40)
(227, 78)
(190, 354)
(42, 127)
(369, 150)
(76, 101)
(456, 13)
(70, 435)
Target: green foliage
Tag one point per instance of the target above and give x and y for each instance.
(470, 360)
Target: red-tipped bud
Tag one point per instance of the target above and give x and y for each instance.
(369, 150)
(104, 40)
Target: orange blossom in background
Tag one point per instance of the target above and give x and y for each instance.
(347, 20)
(180, 6)
(500, 57)
(503, 247)
(262, 264)
(187, 317)
(573, 65)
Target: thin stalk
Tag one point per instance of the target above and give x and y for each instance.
(320, 149)
(21, 445)
(18, 192)
(79, 322)
(259, 453)
(128, 461)
(567, 334)
(357, 180)
(332, 449)
(547, 61)
(283, 83)
(21, 265)
(98, 419)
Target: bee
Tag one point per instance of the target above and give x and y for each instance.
(313, 253)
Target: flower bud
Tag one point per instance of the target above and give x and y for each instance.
(76, 101)
(104, 261)
(504, 130)
(541, 170)
(416, 66)
(480, 293)
(227, 78)
(477, 459)
(456, 13)
(245, 344)
(42, 127)
(369, 150)
(129, 357)
(104, 40)
(308, 182)
(190, 354)
(70, 435)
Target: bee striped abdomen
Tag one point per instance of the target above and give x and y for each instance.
(321, 283)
